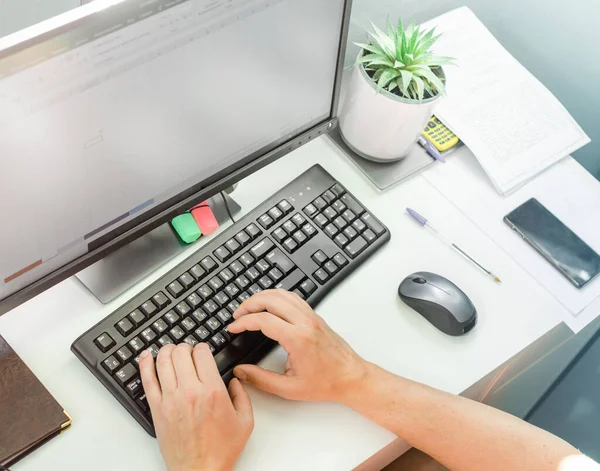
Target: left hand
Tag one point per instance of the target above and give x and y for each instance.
(200, 426)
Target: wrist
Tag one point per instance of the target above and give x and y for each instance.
(355, 386)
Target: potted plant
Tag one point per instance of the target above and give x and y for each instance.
(394, 87)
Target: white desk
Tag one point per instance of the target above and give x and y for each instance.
(365, 310)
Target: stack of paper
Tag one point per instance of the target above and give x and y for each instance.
(512, 123)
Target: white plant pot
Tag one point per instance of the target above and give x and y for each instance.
(381, 126)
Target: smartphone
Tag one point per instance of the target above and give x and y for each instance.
(554, 241)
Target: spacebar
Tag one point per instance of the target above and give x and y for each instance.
(237, 350)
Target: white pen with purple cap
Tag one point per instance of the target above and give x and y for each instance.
(425, 223)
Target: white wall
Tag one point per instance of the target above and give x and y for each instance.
(17, 14)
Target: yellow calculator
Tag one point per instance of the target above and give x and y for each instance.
(439, 135)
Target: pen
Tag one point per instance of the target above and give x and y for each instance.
(425, 223)
(431, 150)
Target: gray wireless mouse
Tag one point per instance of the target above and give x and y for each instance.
(439, 301)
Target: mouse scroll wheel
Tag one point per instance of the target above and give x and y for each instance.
(420, 281)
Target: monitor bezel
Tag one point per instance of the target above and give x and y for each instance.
(47, 29)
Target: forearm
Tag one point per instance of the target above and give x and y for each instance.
(461, 434)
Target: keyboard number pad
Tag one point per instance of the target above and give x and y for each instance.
(294, 233)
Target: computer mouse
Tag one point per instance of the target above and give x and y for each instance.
(439, 301)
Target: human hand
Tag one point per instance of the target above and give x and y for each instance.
(199, 425)
(321, 366)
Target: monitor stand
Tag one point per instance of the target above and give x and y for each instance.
(122, 269)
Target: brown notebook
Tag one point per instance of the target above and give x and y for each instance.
(29, 415)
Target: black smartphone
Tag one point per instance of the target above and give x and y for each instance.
(554, 241)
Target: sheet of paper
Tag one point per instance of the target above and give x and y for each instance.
(566, 189)
(508, 118)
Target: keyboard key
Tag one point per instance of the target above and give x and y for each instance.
(373, 224)
(289, 227)
(134, 388)
(216, 283)
(232, 290)
(221, 298)
(320, 203)
(237, 268)
(243, 238)
(276, 213)
(340, 260)
(265, 282)
(197, 272)
(233, 306)
(136, 344)
(321, 276)
(310, 210)
(222, 254)
(308, 287)
(160, 326)
(292, 280)
(199, 315)
(330, 213)
(275, 274)
(187, 280)
(136, 362)
(352, 204)
(105, 342)
(263, 247)
(194, 300)
(126, 374)
(124, 326)
(278, 259)
(254, 289)
(160, 299)
(321, 221)
(244, 296)
(309, 230)
(253, 274)
(210, 307)
(137, 318)
(340, 222)
(298, 219)
(329, 196)
(224, 316)
(279, 235)
(263, 266)
(153, 349)
(208, 264)
(290, 245)
(233, 246)
(213, 324)
(320, 258)
(351, 233)
(227, 275)
(337, 190)
(339, 206)
(218, 340)
(285, 207)
(202, 333)
(175, 289)
(188, 324)
(226, 334)
(124, 354)
(183, 308)
(205, 292)
(171, 318)
(165, 340)
(111, 364)
(177, 333)
(300, 237)
(356, 247)
(191, 340)
(242, 282)
(266, 221)
(253, 231)
(331, 230)
(341, 240)
(369, 235)
(247, 259)
(148, 335)
(359, 225)
(299, 293)
(331, 268)
(349, 216)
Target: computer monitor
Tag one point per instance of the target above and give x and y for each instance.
(121, 114)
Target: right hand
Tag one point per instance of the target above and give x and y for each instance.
(321, 366)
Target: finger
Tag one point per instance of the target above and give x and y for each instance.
(184, 365)
(240, 400)
(280, 303)
(271, 326)
(205, 365)
(166, 370)
(149, 379)
(274, 383)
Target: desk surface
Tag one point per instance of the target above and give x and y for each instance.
(365, 310)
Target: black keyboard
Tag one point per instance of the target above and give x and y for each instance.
(306, 238)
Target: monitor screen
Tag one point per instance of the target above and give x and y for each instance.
(109, 117)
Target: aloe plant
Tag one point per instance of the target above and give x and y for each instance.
(402, 61)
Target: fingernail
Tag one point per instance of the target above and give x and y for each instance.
(240, 374)
(144, 354)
